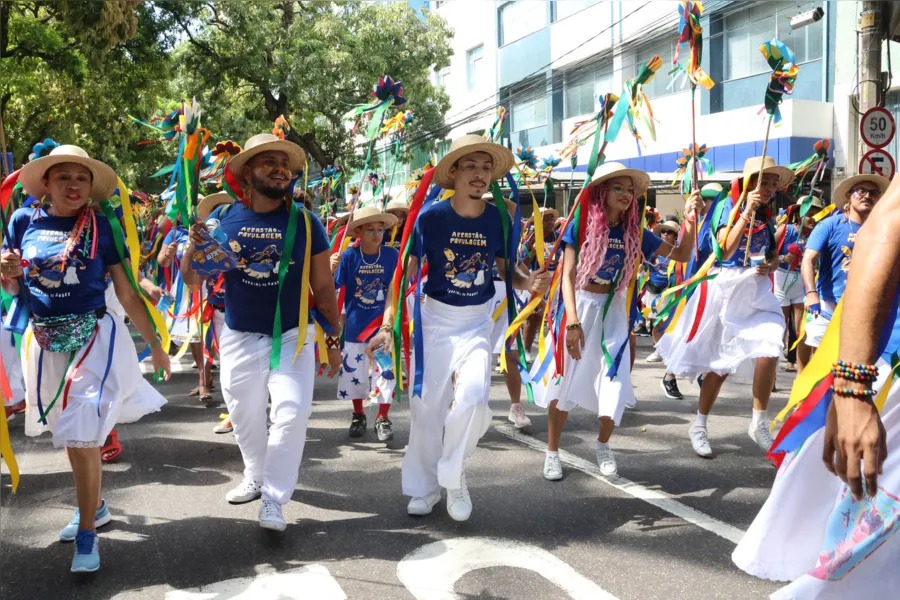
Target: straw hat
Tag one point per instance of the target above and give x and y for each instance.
(396, 206)
(767, 163)
(370, 214)
(544, 210)
(816, 202)
(842, 191)
(711, 191)
(209, 204)
(266, 142)
(469, 144)
(671, 226)
(610, 170)
(510, 204)
(103, 181)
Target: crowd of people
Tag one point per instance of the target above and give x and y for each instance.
(452, 266)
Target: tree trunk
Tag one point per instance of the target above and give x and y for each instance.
(307, 141)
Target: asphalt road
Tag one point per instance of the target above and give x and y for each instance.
(664, 529)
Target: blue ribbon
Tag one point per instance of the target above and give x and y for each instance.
(418, 338)
(109, 358)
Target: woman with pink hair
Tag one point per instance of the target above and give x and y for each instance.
(594, 285)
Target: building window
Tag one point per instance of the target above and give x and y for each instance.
(657, 87)
(439, 3)
(521, 18)
(748, 28)
(529, 106)
(584, 87)
(474, 67)
(567, 8)
(442, 76)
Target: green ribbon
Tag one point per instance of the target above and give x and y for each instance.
(62, 382)
(286, 255)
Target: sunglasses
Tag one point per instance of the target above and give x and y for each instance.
(874, 194)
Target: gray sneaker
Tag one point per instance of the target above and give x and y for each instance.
(552, 468)
(271, 517)
(761, 435)
(700, 441)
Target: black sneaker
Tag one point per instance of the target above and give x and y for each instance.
(670, 387)
(383, 429)
(358, 425)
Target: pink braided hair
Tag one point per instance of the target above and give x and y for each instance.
(596, 241)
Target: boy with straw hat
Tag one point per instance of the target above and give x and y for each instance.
(461, 239)
(365, 272)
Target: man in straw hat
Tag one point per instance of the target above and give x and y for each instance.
(830, 248)
(365, 273)
(258, 230)
(400, 210)
(461, 239)
(741, 328)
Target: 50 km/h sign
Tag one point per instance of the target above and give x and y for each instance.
(877, 162)
(877, 127)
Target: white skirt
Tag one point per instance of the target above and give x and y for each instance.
(502, 323)
(811, 532)
(12, 364)
(106, 388)
(180, 327)
(585, 382)
(742, 321)
(789, 287)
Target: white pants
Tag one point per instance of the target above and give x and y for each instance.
(271, 458)
(788, 287)
(816, 326)
(456, 339)
(354, 381)
(12, 363)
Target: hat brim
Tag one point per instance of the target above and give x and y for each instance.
(639, 179)
(785, 175)
(296, 156)
(386, 219)
(550, 211)
(393, 209)
(206, 206)
(103, 178)
(840, 195)
(502, 158)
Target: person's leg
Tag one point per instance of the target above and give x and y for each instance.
(607, 426)
(632, 345)
(87, 475)
(804, 355)
(556, 420)
(763, 379)
(709, 392)
(797, 316)
(532, 326)
(513, 378)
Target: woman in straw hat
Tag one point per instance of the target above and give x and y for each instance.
(739, 331)
(829, 525)
(64, 250)
(400, 210)
(461, 239)
(830, 248)
(790, 240)
(365, 272)
(594, 285)
(252, 367)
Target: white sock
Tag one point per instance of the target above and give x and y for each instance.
(701, 420)
(552, 452)
(602, 446)
(758, 416)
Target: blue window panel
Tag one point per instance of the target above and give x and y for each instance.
(784, 151)
(744, 151)
(652, 163)
(723, 158)
(801, 148)
(667, 162)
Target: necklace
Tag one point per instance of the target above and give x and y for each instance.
(362, 256)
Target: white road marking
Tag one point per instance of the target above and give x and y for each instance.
(430, 572)
(177, 367)
(654, 497)
(312, 581)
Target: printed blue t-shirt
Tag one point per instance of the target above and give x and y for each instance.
(75, 285)
(791, 236)
(615, 251)
(460, 252)
(366, 279)
(761, 241)
(833, 239)
(251, 290)
(659, 272)
(180, 236)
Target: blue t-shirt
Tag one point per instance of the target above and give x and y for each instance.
(75, 285)
(461, 252)
(791, 236)
(366, 279)
(761, 241)
(217, 299)
(398, 237)
(251, 290)
(659, 272)
(180, 236)
(615, 251)
(833, 239)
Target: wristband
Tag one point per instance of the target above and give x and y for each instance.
(332, 342)
(572, 326)
(853, 392)
(386, 329)
(155, 343)
(852, 372)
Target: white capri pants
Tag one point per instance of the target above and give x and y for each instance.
(788, 287)
(816, 325)
(271, 457)
(12, 363)
(354, 379)
(456, 339)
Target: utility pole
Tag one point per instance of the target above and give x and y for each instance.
(871, 27)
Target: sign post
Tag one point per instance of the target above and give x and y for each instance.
(877, 127)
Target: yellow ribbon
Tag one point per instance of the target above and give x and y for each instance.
(6, 451)
(304, 287)
(824, 212)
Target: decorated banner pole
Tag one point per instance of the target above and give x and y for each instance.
(784, 74)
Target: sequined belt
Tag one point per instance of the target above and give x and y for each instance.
(65, 333)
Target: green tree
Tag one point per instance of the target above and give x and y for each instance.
(249, 62)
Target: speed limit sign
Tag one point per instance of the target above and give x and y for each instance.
(877, 127)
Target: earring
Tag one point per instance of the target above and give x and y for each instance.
(90, 201)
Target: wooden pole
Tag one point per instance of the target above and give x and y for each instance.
(694, 163)
(5, 164)
(762, 162)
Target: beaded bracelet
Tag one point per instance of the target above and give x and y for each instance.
(853, 392)
(852, 372)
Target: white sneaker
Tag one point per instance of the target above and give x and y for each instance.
(654, 357)
(270, 516)
(517, 415)
(459, 503)
(631, 402)
(606, 460)
(700, 441)
(419, 507)
(248, 490)
(552, 468)
(761, 435)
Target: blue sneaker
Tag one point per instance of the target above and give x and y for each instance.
(101, 518)
(87, 552)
